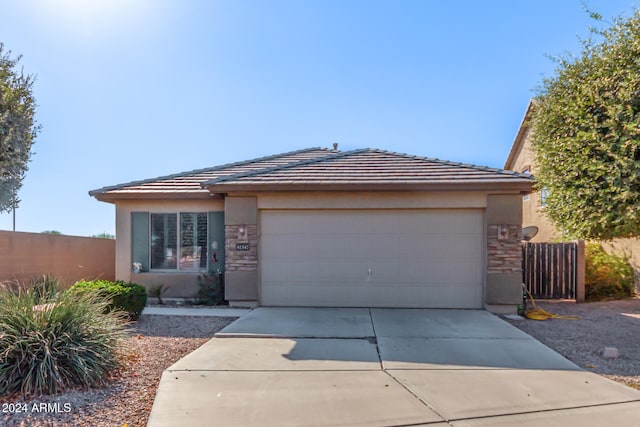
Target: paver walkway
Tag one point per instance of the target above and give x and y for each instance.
(199, 311)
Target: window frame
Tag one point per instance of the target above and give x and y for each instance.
(544, 194)
(179, 248)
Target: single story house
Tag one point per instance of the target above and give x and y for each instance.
(322, 227)
(522, 159)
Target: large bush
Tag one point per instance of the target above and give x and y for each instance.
(607, 276)
(586, 135)
(126, 296)
(47, 346)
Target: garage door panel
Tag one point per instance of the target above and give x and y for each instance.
(428, 246)
(299, 272)
(426, 272)
(418, 258)
(378, 246)
(324, 246)
(334, 222)
(317, 296)
(382, 273)
(404, 222)
(299, 249)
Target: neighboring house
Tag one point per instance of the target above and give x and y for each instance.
(522, 159)
(319, 227)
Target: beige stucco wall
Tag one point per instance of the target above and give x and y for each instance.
(241, 276)
(503, 289)
(373, 200)
(532, 212)
(243, 286)
(179, 284)
(25, 256)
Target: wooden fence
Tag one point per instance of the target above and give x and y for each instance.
(554, 270)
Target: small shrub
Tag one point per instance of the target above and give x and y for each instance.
(607, 276)
(211, 291)
(126, 296)
(47, 346)
(156, 292)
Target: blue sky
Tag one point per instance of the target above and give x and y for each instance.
(133, 89)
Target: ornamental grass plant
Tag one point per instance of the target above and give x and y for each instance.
(52, 343)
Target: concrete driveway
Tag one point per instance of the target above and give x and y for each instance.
(383, 367)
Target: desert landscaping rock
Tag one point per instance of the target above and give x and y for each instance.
(610, 353)
(157, 342)
(602, 324)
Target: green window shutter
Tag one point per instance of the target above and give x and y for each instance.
(140, 239)
(216, 234)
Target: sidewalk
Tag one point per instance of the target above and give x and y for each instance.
(193, 311)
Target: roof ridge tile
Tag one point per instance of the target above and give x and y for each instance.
(344, 154)
(332, 156)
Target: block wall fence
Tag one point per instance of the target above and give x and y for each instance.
(26, 256)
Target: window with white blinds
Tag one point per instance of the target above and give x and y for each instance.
(178, 241)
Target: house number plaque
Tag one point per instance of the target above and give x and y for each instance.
(243, 246)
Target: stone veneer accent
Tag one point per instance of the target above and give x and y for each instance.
(504, 255)
(241, 260)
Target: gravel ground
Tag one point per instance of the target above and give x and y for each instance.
(602, 324)
(157, 342)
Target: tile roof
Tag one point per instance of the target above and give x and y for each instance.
(370, 167)
(189, 183)
(320, 169)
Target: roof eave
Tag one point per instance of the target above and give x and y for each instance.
(519, 139)
(182, 195)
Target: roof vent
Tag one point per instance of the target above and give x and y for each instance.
(335, 146)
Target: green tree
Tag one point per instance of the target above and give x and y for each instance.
(18, 128)
(586, 135)
(55, 232)
(104, 235)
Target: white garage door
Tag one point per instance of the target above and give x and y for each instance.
(372, 258)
